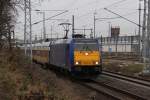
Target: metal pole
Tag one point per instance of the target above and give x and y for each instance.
(25, 42)
(109, 34)
(30, 30)
(73, 25)
(125, 44)
(84, 30)
(139, 47)
(41, 35)
(116, 38)
(51, 31)
(147, 45)
(109, 29)
(91, 33)
(44, 27)
(148, 38)
(13, 35)
(94, 24)
(101, 43)
(144, 31)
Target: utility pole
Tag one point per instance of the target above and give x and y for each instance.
(41, 34)
(109, 35)
(94, 24)
(51, 31)
(91, 35)
(44, 27)
(144, 29)
(84, 29)
(147, 45)
(139, 33)
(109, 29)
(28, 28)
(73, 26)
(35, 38)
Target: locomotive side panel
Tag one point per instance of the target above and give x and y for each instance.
(59, 55)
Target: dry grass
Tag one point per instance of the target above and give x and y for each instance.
(19, 78)
(124, 67)
(132, 69)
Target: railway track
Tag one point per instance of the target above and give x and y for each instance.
(122, 58)
(110, 91)
(99, 89)
(113, 92)
(116, 92)
(134, 80)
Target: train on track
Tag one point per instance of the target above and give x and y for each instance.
(79, 56)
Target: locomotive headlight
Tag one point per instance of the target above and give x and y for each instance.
(96, 63)
(86, 54)
(77, 63)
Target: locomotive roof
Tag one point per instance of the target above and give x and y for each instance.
(85, 40)
(64, 41)
(67, 41)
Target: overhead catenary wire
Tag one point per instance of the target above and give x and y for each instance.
(122, 17)
(115, 3)
(113, 18)
(50, 17)
(110, 5)
(118, 17)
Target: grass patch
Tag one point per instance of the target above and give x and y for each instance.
(20, 78)
(123, 67)
(132, 69)
(111, 67)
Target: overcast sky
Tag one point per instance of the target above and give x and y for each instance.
(83, 10)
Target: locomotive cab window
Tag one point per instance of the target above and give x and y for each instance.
(86, 46)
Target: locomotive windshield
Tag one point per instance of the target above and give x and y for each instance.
(86, 46)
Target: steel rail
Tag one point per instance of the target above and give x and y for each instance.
(124, 92)
(101, 91)
(132, 79)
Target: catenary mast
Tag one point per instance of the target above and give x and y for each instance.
(28, 28)
(147, 42)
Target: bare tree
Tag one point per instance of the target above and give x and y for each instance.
(7, 21)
